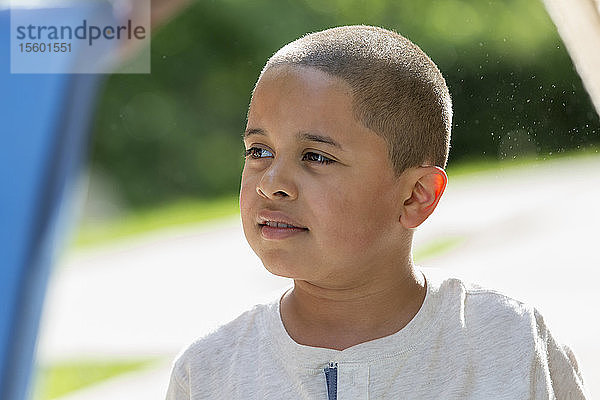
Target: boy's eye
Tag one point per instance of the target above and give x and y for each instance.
(316, 157)
(257, 152)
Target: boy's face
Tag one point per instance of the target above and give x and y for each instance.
(312, 165)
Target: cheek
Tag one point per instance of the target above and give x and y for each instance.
(354, 220)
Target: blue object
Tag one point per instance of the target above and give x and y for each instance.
(44, 121)
(331, 379)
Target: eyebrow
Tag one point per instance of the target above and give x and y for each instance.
(307, 136)
(253, 131)
(314, 137)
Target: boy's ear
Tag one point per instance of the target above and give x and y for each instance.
(425, 186)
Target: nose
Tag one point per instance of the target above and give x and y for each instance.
(277, 182)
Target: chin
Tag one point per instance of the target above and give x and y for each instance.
(283, 272)
(280, 266)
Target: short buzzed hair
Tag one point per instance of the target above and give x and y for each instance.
(398, 92)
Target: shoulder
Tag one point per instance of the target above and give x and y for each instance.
(224, 345)
(485, 318)
(492, 308)
(213, 364)
(478, 305)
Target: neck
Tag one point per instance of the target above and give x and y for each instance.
(339, 318)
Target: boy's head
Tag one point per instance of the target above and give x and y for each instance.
(347, 131)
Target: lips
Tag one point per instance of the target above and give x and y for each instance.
(276, 225)
(278, 219)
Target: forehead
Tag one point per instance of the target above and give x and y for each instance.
(304, 99)
(302, 80)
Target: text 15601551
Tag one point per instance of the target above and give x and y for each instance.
(45, 47)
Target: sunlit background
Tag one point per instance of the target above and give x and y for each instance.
(158, 258)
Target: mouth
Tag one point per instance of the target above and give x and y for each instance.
(279, 226)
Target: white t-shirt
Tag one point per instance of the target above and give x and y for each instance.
(464, 343)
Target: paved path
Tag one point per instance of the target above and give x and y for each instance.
(532, 234)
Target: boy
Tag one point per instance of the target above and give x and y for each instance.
(347, 137)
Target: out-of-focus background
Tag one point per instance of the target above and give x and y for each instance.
(158, 258)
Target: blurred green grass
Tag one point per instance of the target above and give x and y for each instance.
(472, 167)
(175, 214)
(56, 380)
(437, 247)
